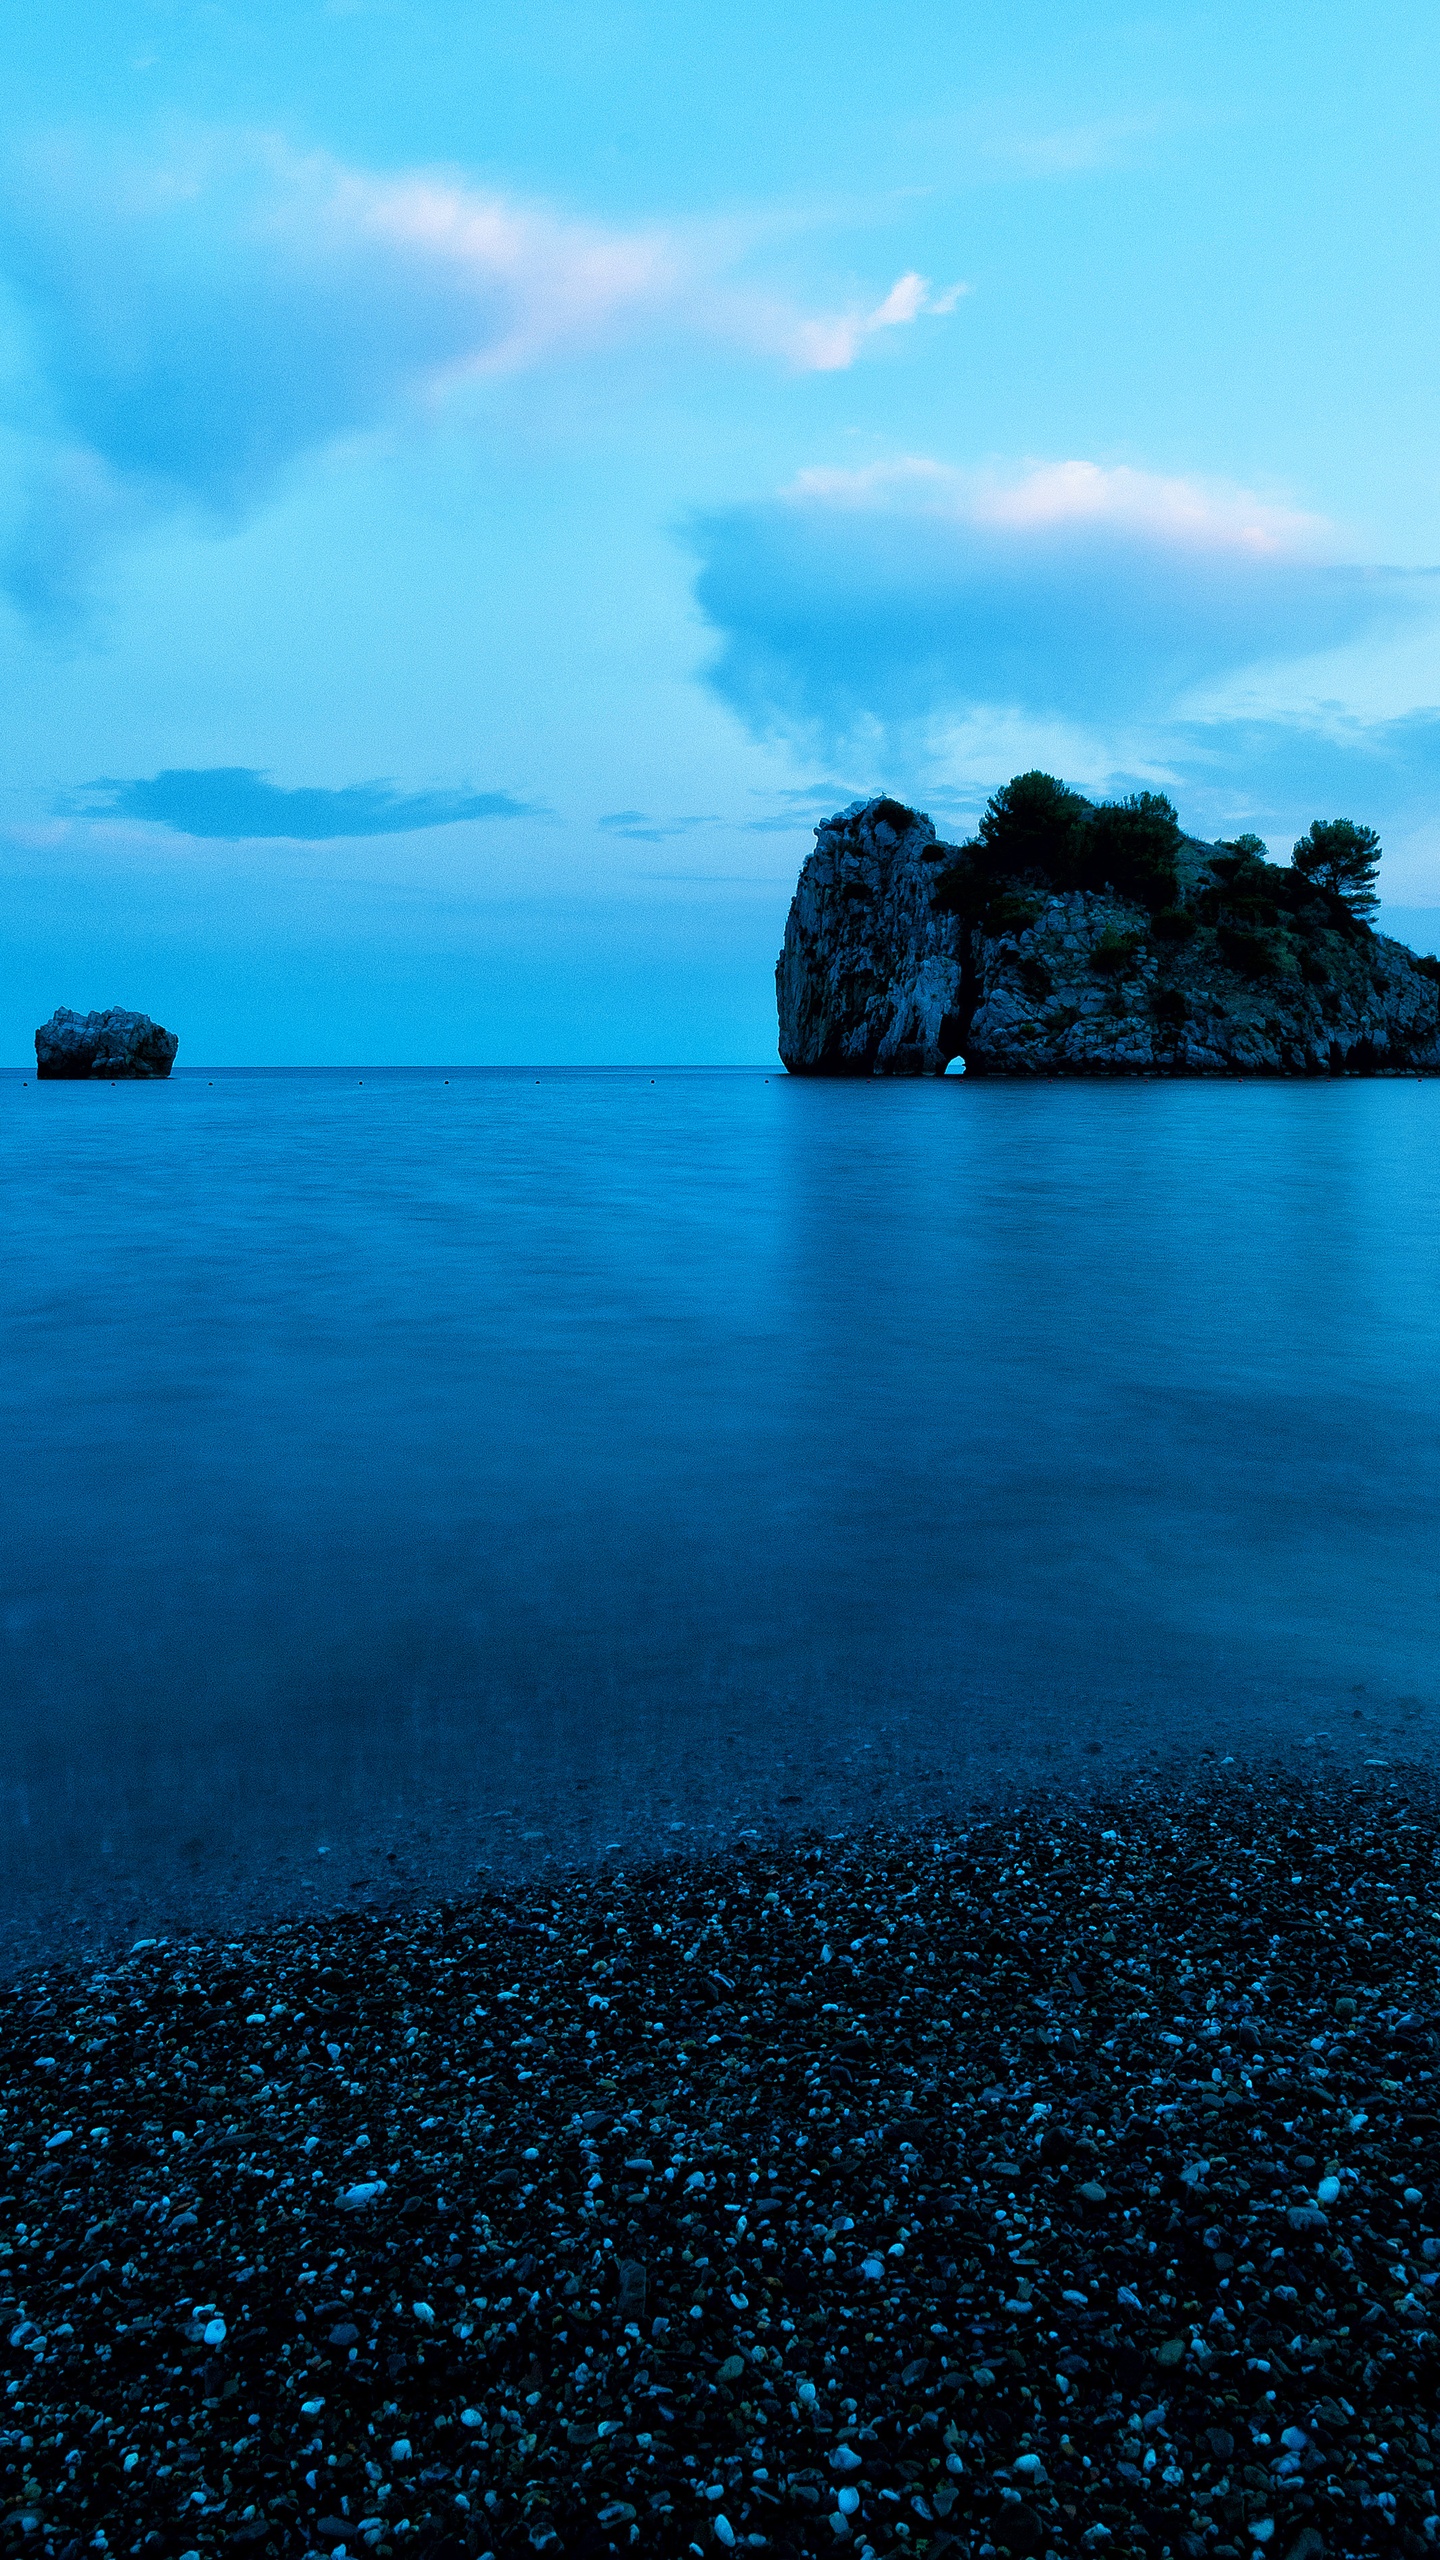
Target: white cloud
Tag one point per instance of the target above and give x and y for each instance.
(1069, 151)
(1055, 497)
(912, 595)
(1001, 141)
(832, 345)
(525, 282)
(202, 318)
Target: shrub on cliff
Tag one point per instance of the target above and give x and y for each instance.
(1010, 913)
(1344, 858)
(1249, 954)
(1133, 847)
(1115, 954)
(1172, 924)
(1027, 833)
(1031, 824)
(1037, 829)
(1248, 891)
(1036, 826)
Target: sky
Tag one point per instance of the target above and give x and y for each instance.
(480, 484)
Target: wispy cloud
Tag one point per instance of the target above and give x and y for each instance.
(641, 828)
(203, 318)
(1008, 141)
(733, 879)
(832, 345)
(1056, 497)
(236, 805)
(1275, 775)
(1011, 149)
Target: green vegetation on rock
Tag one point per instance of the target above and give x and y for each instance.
(1172, 924)
(1344, 858)
(1069, 937)
(1038, 835)
(1115, 954)
(1039, 832)
(1133, 847)
(1251, 953)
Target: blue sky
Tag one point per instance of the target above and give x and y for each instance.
(479, 484)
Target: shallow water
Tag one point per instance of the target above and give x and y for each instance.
(402, 1474)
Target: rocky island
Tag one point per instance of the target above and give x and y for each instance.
(110, 1044)
(1071, 939)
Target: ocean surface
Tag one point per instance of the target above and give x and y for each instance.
(409, 1476)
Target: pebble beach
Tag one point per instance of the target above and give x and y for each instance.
(1060, 2179)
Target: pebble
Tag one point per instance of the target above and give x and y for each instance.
(1132, 2143)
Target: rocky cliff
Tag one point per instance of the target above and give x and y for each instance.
(110, 1044)
(901, 954)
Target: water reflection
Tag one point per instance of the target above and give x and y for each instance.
(402, 1469)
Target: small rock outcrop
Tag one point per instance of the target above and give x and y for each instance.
(110, 1044)
(903, 953)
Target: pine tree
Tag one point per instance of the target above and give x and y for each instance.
(1342, 857)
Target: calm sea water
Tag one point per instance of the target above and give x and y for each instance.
(404, 1473)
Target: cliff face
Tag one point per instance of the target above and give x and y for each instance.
(1248, 972)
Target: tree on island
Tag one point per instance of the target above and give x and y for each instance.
(1036, 827)
(1030, 824)
(1340, 856)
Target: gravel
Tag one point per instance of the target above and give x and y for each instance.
(1061, 2181)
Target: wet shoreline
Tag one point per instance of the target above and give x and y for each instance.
(257, 1843)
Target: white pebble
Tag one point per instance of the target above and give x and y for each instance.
(215, 2332)
(363, 2193)
(1328, 2191)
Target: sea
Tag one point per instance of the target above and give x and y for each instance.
(417, 1477)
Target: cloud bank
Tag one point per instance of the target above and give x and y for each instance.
(900, 604)
(234, 805)
(201, 320)
(894, 595)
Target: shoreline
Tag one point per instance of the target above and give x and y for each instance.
(291, 1861)
(877, 2191)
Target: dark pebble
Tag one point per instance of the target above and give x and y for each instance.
(971, 2173)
